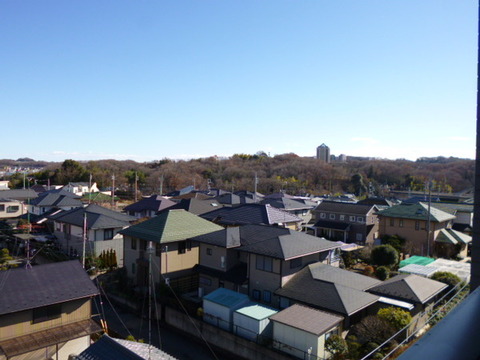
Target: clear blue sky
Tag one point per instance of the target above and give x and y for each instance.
(144, 80)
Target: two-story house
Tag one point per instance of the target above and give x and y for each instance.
(81, 188)
(350, 223)
(426, 229)
(300, 208)
(11, 208)
(45, 311)
(97, 225)
(173, 254)
(258, 259)
(148, 207)
(48, 201)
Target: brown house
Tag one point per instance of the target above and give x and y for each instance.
(45, 311)
(350, 223)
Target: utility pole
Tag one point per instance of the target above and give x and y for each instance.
(136, 181)
(113, 191)
(255, 188)
(428, 218)
(161, 185)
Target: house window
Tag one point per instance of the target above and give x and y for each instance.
(133, 268)
(352, 218)
(256, 294)
(332, 216)
(188, 244)
(134, 244)
(158, 249)
(13, 209)
(392, 222)
(342, 217)
(360, 219)
(322, 216)
(2, 207)
(182, 246)
(264, 263)
(295, 263)
(400, 223)
(107, 234)
(417, 225)
(359, 237)
(209, 251)
(46, 313)
(144, 245)
(267, 296)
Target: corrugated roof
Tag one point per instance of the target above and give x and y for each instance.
(256, 311)
(415, 259)
(307, 319)
(44, 285)
(225, 297)
(170, 226)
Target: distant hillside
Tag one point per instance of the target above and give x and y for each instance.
(287, 172)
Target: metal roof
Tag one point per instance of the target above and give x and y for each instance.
(307, 319)
(256, 311)
(225, 297)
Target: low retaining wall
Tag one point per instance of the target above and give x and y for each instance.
(222, 339)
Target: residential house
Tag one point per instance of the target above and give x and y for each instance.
(412, 221)
(48, 201)
(107, 348)
(229, 199)
(300, 208)
(463, 212)
(11, 208)
(81, 188)
(148, 207)
(350, 223)
(258, 259)
(45, 311)
(197, 205)
(253, 214)
(23, 195)
(174, 255)
(418, 291)
(255, 196)
(100, 225)
(331, 289)
(302, 331)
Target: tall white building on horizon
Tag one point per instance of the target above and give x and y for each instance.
(323, 153)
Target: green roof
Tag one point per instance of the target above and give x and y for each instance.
(256, 311)
(170, 226)
(417, 211)
(419, 260)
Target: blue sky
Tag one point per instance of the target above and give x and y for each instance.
(145, 80)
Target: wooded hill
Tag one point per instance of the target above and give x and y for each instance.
(287, 172)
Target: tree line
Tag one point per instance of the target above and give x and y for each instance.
(285, 172)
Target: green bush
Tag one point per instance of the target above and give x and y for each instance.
(396, 317)
(384, 255)
(382, 273)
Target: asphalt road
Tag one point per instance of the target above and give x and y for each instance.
(176, 344)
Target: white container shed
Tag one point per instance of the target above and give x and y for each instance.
(253, 320)
(219, 305)
(301, 331)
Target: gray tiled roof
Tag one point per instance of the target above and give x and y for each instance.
(18, 194)
(251, 214)
(344, 208)
(307, 319)
(44, 285)
(409, 287)
(107, 348)
(288, 204)
(153, 203)
(198, 206)
(55, 199)
(270, 241)
(98, 217)
(329, 288)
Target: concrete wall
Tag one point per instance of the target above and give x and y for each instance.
(221, 338)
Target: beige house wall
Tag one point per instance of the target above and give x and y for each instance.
(20, 323)
(264, 280)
